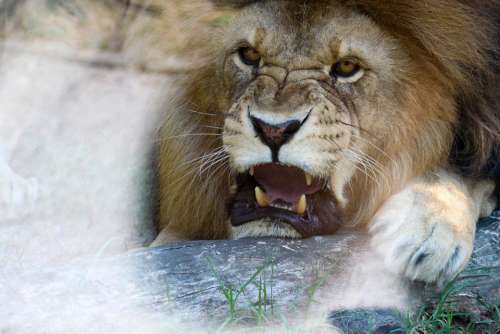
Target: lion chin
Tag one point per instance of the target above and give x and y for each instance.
(374, 115)
(264, 228)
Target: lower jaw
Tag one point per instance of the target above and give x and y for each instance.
(250, 218)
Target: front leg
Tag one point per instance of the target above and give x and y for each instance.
(426, 232)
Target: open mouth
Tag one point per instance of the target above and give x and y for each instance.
(285, 194)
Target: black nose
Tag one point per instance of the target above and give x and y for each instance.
(275, 135)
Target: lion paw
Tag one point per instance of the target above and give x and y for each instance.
(422, 241)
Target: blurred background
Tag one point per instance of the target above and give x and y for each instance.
(82, 89)
(83, 85)
(147, 34)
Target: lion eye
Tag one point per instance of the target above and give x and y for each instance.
(345, 68)
(249, 56)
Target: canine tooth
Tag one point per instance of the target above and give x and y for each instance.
(251, 171)
(302, 205)
(309, 179)
(261, 197)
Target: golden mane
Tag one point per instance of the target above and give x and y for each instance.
(461, 38)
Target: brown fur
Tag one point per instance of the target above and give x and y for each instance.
(451, 113)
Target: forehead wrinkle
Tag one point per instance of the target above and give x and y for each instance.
(353, 34)
(287, 26)
(261, 28)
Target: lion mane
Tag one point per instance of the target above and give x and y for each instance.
(459, 39)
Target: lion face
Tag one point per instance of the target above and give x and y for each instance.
(313, 113)
(314, 104)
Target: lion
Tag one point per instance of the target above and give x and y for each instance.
(310, 116)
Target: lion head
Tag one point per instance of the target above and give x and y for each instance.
(307, 115)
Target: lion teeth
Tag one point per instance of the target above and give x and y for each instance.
(251, 171)
(261, 197)
(302, 205)
(309, 179)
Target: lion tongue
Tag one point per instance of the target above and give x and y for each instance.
(284, 183)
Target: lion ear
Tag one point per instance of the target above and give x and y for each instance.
(233, 3)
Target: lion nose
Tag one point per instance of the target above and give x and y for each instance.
(275, 135)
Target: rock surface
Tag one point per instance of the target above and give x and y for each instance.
(192, 280)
